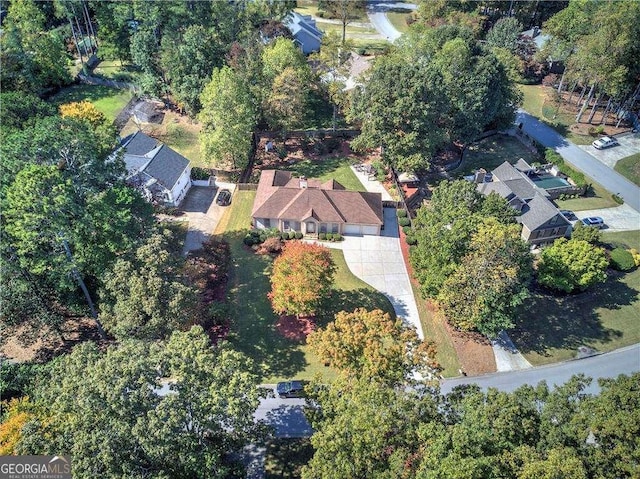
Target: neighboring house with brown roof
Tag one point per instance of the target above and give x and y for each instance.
(312, 206)
(541, 221)
(162, 174)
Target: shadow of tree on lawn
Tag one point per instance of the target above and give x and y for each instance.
(567, 322)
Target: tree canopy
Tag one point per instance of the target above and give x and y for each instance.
(301, 278)
(173, 409)
(372, 345)
(570, 265)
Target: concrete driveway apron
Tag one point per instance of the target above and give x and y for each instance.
(377, 260)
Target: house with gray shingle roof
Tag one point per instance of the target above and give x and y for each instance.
(541, 221)
(162, 174)
(305, 32)
(312, 206)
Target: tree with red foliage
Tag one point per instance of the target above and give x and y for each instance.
(301, 278)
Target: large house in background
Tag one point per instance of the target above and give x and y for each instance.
(312, 206)
(162, 174)
(305, 32)
(541, 221)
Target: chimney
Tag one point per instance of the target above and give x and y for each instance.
(479, 176)
(303, 182)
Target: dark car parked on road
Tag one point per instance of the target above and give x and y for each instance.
(290, 389)
(224, 198)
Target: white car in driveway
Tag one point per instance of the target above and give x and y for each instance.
(604, 142)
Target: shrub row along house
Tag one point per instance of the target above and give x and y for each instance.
(162, 174)
(541, 221)
(311, 206)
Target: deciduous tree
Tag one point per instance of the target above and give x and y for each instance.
(83, 110)
(301, 278)
(372, 345)
(490, 281)
(505, 33)
(144, 297)
(344, 10)
(174, 409)
(228, 117)
(570, 265)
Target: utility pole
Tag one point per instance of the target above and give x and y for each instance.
(78, 277)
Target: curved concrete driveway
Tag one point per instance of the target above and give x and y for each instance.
(376, 11)
(583, 161)
(378, 261)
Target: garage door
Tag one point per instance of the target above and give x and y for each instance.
(370, 230)
(352, 229)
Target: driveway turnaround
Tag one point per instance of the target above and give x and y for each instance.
(609, 365)
(620, 218)
(377, 260)
(629, 145)
(202, 213)
(583, 161)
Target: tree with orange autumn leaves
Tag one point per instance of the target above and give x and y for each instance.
(301, 278)
(371, 344)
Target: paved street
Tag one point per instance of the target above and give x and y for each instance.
(609, 365)
(583, 161)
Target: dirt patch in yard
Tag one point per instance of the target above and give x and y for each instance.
(474, 351)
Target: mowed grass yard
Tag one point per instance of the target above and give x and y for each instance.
(338, 169)
(253, 329)
(492, 152)
(109, 101)
(606, 317)
(629, 167)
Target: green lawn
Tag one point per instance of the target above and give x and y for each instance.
(492, 152)
(184, 140)
(537, 101)
(399, 20)
(596, 198)
(116, 70)
(629, 167)
(329, 169)
(109, 101)
(253, 328)
(285, 457)
(606, 317)
(435, 330)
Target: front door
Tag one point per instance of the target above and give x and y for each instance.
(311, 227)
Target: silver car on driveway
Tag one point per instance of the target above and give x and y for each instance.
(604, 142)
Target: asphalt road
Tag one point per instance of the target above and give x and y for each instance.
(583, 161)
(609, 365)
(285, 415)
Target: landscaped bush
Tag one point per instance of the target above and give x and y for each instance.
(299, 235)
(337, 237)
(249, 240)
(404, 221)
(411, 240)
(401, 213)
(292, 235)
(198, 173)
(329, 236)
(284, 236)
(407, 230)
(322, 236)
(271, 245)
(622, 260)
(636, 256)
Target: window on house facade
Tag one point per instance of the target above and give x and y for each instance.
(266, 222)
(323, 227)
(286, 225)
(334, 227)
